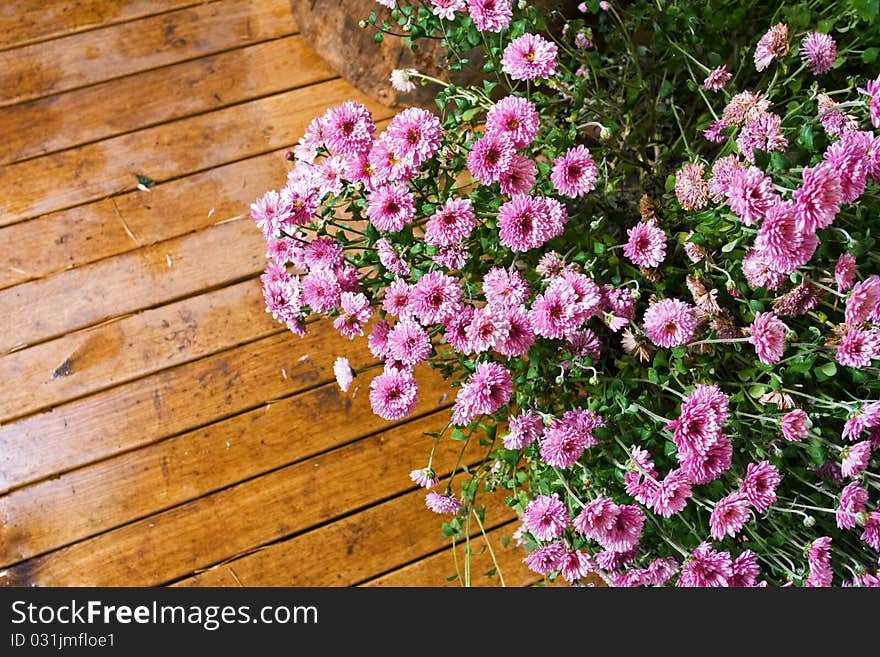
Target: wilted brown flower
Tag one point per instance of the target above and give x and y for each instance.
(725, 327)
(799, 301)
(705, 300)
(651, 275)
(783, 401)
(647, 209)
(636, 345)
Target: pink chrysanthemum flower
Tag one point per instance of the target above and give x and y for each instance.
(820, 563)
(760, 484)
(833, 120)
(342, 372)
(768, 337)
(711, 396)
(750, 194)
(672, 495)
(434, 298)
(854, 458)
(853, 500)
(714, 133)
(863, 302)
(414, 135)
(523, 430)
(706, 568)
(391, 207)
(858, 347)
(719, 181)
(584, 342)
(408, 343)
(321, 290)
(456, 328)
(322, 253)
(348, 128)
(282, 294)
(867, 417)
(763, 133)
(756, 268)
(696, 429)
(729, 516)
(745, 570)
(575, 566)
(596, 517)
(390, 259)
(515, 118)
(716, 80)
(359, 170)
(640, 478)
(795, 425)
(452, 223)
(356, 311)
(520, 335)
(818, 50)
(453, 256)
(691, 190)
(527, 222)
(772, 45)
(561, 445)
(520, 176)
(872, 90)
(574, 174)
(397, 298)
(554, 313)
(426, 478)
(446, 8)
(622, 532)
(377, 341)
(505, 288)
(393, 394)
(270, 213)
(545, 560)
(529, 57)
(703, 468)
(442, 504)
(384, 165)
(487, 389)
(490, 157)
(401, 79)
(871, 533)
(848, 156)
(743, 107)
(488, 329)
(583, 422)
(780, 233)
(646, 246)
(287, 250)
(546, 517)
(490, 15)
(845, 271)
(818, 199)
(669, 322)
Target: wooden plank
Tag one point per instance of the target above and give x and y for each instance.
(147, 99)
(173, 401)
(349, 550)
(60, 511)
(139, 279)
(82, 363)
(26, 21)
(70, 238)
(167, 151)
(230, 522)
(118, 50)
(436, 569)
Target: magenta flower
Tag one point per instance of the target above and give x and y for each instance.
(488, 329)
(391, 207)
(574, 174)
(527, 222)
(863, 303)
(719, 181)
(717, 79)
(854, 458)
(520, 335)
(397, 298)
(706, 568)
(672, 495)
(714, 132)
(845, 271)
(523, 430)
(514, 118)
(442, 504)
(414, 135)
(795, 425)
(546, 517)
(561, 445)
(446, 8)
(434, 297)
(520, 176)
(452, 223)
(490, 158)
(745, 570)
(377, 341)
(820, 563)
(701, 468)
(818, 199)
(321, 290)
(393, 394)
(853, 500)
(390, 259)
(729, 516)
(750, 194)
(872, 90)
(486, 390)
(356, 311)
(858, 347)
(669, 322)
(348, 128)
(646, 246)
(848, 156)
(426, 478)
(576, 565)
(529, 57)
(505, 288)
(818, 50)
(760, 484)
(756, 269)
(772, 45)
(768, 337)
(546, 559)
(691, 189)
(408, 343)
(761, 132)
(490, 15)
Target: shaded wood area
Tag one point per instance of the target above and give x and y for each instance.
(157, 426)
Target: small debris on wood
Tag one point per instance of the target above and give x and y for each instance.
(284, 374)
(168, 259)
(63, 370)
(144, 182)
(303, 358)
(210, 212)
(228, 445)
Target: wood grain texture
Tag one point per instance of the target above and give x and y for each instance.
(437, 569)
(167, 151)
(226, 524)
(56, 512)
(78, 60)
(174, 400)
(355, 547)
(82, 363)
(153, 275)
(146, 99)
(25, 21)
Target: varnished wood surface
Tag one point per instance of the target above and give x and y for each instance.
(157, 426)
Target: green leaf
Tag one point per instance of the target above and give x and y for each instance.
(869, 56)
(806, 136)
(866, 9)
(145, 180)
(730, 246)
(826, 371)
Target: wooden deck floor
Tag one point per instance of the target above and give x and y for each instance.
(156, 425)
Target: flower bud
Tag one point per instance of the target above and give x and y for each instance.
(605, 134)
(809, 521)
(362, 24)
(862, 518)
